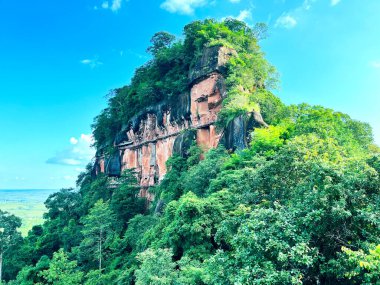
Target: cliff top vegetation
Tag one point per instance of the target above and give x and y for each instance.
(166, 75)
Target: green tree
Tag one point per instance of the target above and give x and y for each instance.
(159, 41)
(30, 275)
(366, 266)
(268, 248)
(8, 235)
(125, 201)
(96, 277)
(98, 230)
(157, 268)
(188, 226)
(62, 271)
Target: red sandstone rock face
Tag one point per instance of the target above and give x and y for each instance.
(206, 101)
(152, 145)
(102, 165)
(149, 146)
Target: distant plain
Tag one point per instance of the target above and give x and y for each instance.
(26, 204)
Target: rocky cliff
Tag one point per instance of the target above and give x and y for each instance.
(152, 136)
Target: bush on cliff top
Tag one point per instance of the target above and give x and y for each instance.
(165, 76)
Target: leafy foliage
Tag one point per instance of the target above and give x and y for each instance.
(299, 206)
(366, 265)
(9, 236)
(98, 228)
(156, 267)
(62, 271)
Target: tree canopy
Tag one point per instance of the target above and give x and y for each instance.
(300, 205)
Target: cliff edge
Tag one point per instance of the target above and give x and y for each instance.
(151, 137)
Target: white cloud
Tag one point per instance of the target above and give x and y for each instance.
(73, 140)
(375, 64)
(286, 21)
(66, 161)
(289, 19)
(91, 62)
(78, 154)
(114, 6)
(20, 178)
(307, 4)
(186, 7)
(234, 1)
(335, 2)
(87, 138)
(105, 5)
(244, 15)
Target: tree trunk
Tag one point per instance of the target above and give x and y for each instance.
(1, 268)
(100, 250)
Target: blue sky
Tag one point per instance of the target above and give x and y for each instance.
(58, 60)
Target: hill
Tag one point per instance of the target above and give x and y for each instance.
(289, 196)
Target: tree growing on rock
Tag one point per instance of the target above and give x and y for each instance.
(159, 41)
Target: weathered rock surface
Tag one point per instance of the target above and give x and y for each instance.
(184, 141)
(213, 59)
(151, 137)
(113, 165)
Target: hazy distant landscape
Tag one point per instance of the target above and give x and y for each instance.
(26, 204)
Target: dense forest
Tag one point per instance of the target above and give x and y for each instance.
(300, 205)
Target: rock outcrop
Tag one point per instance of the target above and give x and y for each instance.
(152, 136)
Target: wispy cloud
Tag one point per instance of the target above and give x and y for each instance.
(244, 15)
(133, 53)
(105, 5)
(79, 153)
(20, 178)
(73, 140)
(186, 7)
(307, 4)
(289, 19)
(114, 6)
(286, 21)
(335, 2)
(234, 1)
(375, 64)
(91, 62)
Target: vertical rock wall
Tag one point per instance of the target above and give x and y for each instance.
(151, 145)
(149, 139)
